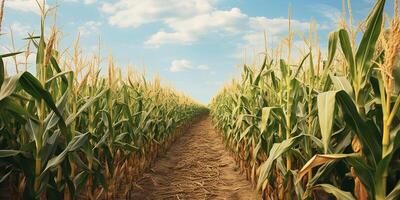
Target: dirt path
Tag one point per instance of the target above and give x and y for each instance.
(196, 167)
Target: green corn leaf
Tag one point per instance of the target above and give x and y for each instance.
(258, 77)
(332, 46)
(341, 83)
(366, 131)
(8, 87)
(364, 171)
(245, 133)
(10, 104)
(11, 54)
(10, 153)
(300, 66)
(58, 75)
(367, 45)
(277, 150)
(384, 165)
(348, 52)
(264, 118)
(267, 113)
(395, 193)
(6, 175)
(76, 142)
(40, 54)
(338, 193)
(88, 103)
(284, 68)
(319, 159)
(326, 113)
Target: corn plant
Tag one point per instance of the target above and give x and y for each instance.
(302, 132)
(69, 132)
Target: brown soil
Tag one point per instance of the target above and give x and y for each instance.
(196, 167)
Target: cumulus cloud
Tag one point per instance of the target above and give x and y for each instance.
(184, 65)
(186, 30)
(23, 5)
(277, 25)
(162, 37)
(20, 29)
(89, 27)
(134, 13)
(331, 13)
(275, 28)
(180, 65)
(203, 67)
(227, 20)
(87, 2)
(185, 22)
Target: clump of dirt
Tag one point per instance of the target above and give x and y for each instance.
(196, 167)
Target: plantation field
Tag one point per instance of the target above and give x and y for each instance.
(300, 124)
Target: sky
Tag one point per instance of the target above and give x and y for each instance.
(195, 46)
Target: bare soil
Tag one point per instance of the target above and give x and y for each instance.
(196, 167)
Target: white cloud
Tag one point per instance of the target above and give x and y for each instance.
(333, 14)
(190, 29)
(227, 20)
(89, 27)
(133, 13)
(185, 22)
(23, 5)
(180, 65)
(163, 37)
(87, 2)
(203, 67)
(187, 30)
(277, 25)
(20, 29)
(184, 65)
(276, 29)
(215, 83)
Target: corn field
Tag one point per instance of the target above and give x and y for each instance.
(320, 128)
(315, 126)
(68, 132)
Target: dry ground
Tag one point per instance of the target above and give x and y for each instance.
(196, 167)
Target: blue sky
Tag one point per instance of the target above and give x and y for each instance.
(194, 45)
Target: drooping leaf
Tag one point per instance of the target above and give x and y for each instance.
(341, 83)
(88, 103)
(319, 159)
(76, 142)
(338, 193)
(326, 113)
(277, 150)
(5, 176)
(366, 131)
